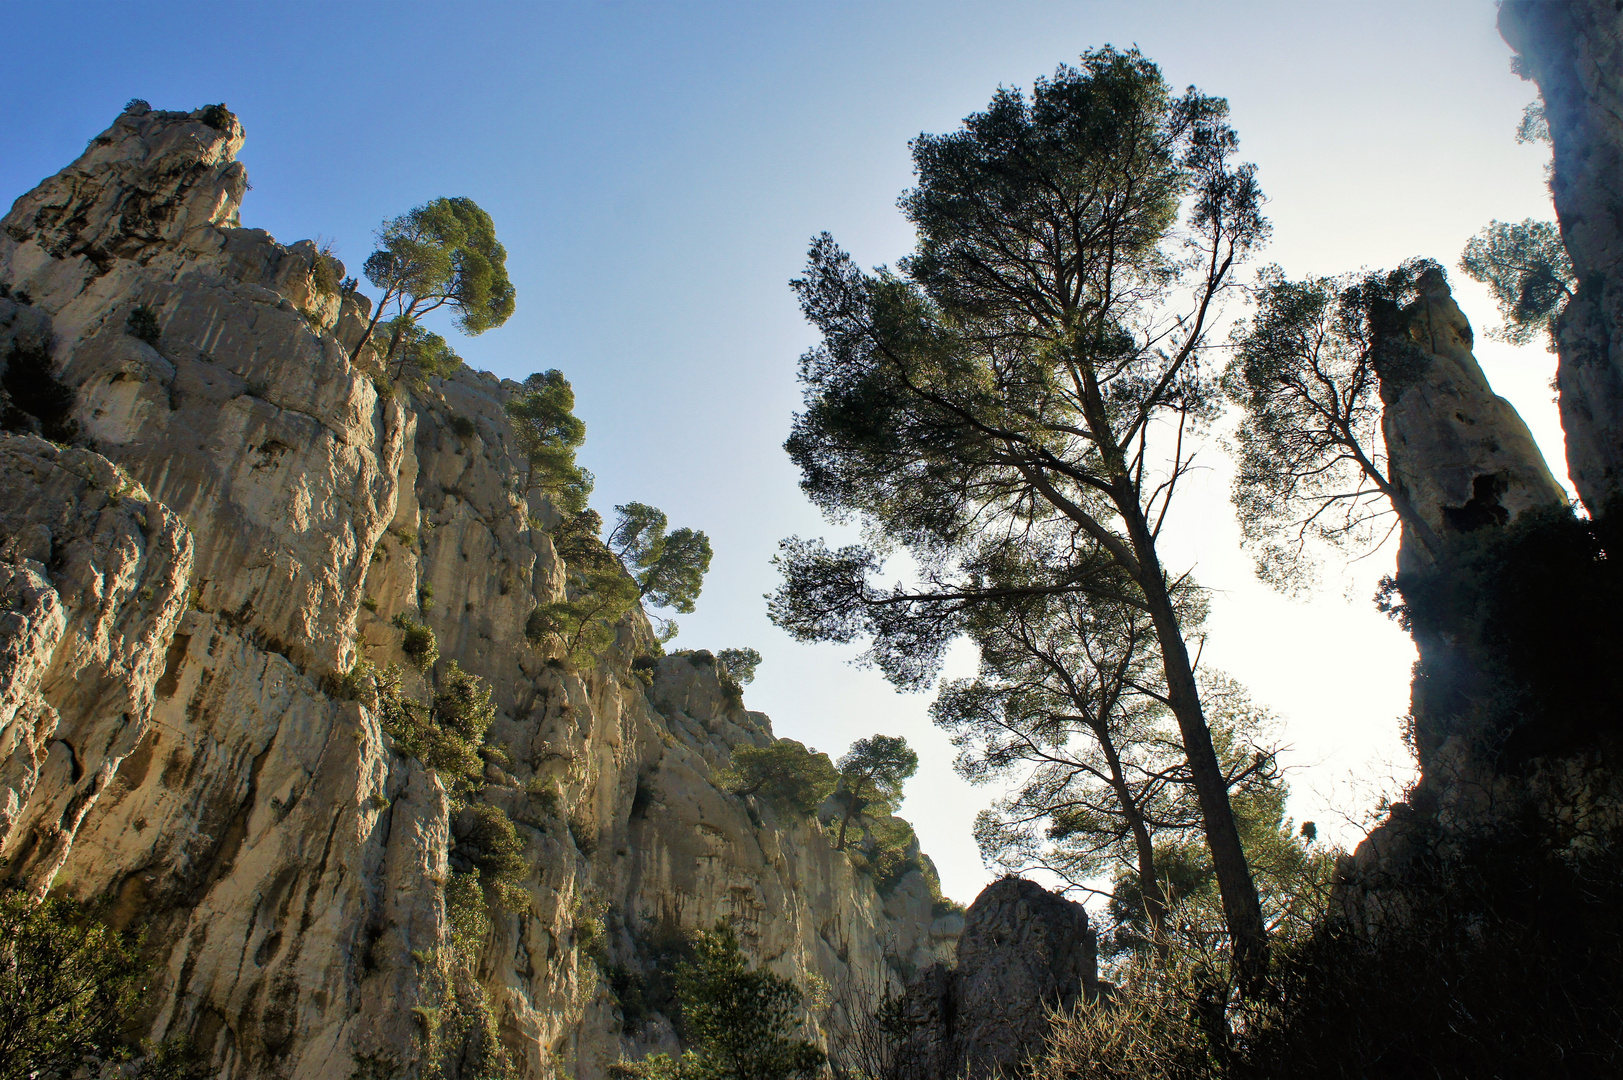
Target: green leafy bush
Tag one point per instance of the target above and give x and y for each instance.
(445, 734)
(218, 117)
(487, 842)
(742, 1023)
(785, 773)
(67, 984)
(419, 643)
(70, 987)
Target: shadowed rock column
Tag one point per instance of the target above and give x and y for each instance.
(1573, 50)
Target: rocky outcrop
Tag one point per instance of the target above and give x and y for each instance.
(246, 513)
(1470, 469)
(1461, 455)
(1573, 50)
(93, 577)
(1025, 952)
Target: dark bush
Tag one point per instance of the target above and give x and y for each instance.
(1520, 632)
(34, 398)
(419, 643)
(462, 427)
(218, 117)
(143, 324)
(1509, 963)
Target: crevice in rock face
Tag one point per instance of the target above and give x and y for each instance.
(1483, 509)
(34, 399)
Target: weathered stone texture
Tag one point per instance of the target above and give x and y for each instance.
(250, 511)
(1573, 50)
(1459, 452)
(1024, 952)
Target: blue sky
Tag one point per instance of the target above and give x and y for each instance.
(656, 171)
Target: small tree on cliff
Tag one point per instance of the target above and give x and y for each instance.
(742, 1023)
(1035, 373)
(784, 773)
(740, 664)
(669, 567)
(599, 592)
(441, 254)
(872, 773)
(548, 434)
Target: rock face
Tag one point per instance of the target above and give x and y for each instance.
(1467, 463)
(1459, 452)
(1024, 952)
(1573, 50)
(245, 513)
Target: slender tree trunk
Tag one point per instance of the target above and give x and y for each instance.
(366, 335)
(1242, 908)
(1149, 880)
(850, 812)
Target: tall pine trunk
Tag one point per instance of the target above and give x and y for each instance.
(1242, 907)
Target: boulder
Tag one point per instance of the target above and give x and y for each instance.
(1023, 953)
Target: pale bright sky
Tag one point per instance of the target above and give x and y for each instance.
(656, 171)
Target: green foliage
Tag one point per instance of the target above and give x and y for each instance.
(669, 567)
(586, 622)
(784, 773)
(324, 271)
(174, 1059)
(1525, 266)
(740, 664)
(466, 913)
(1030, 380)
(447, 733)
(419, 643)
(218, 117)
(742, 1023)
(417, 354)
(548, 434)
(143, 324)
(1312, 471)
(487, 842)
(463, 427)
(68, 985)
(872, 773)
(441, 254)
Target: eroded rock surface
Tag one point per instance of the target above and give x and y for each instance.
(1024, 952)
(1573, 50)
(246, 512)
(1460, 453)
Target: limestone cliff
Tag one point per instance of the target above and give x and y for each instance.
(1472, 473)
(1462, 456)
(1573, 50)
(244, 512)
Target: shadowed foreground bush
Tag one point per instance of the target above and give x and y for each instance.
(1509, 964)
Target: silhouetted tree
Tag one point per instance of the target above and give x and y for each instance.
(1023, 378)
(1311, 461)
